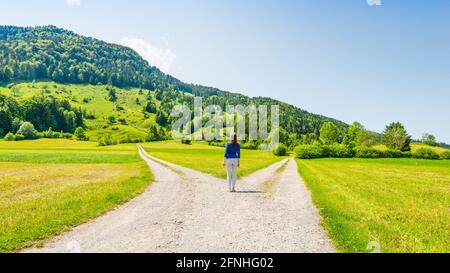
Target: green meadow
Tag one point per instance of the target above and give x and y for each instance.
(49, 186)
(208, 159)
(403, 204)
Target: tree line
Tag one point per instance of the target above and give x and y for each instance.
(41, 112)
(359, 142)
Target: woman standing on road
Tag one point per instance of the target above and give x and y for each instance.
(231, 161)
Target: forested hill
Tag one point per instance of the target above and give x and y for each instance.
(51, 53)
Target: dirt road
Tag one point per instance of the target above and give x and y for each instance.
(188, 211)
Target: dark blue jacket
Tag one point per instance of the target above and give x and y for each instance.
(233, 151)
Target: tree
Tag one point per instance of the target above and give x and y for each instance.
(27, 130)
(353, 131)
(429, 140)
(367, 138)
(150, 107)
(329, 133)
(80, 134)
(8, 74)
(293, 141)
(16, 123)
(153, 134)
(5, 120)
(112, 94)
(395, 137)
(161, 118)
(70, 120)
(310, 138)
(161, 133)
(106, 140)
(357, 135)
(9, 108)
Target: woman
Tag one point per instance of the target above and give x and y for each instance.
(231, 160)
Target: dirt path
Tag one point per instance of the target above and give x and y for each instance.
(188, 211)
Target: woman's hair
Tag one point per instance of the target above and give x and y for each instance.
(234, 140)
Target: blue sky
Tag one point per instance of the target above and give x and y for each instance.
(344, 59)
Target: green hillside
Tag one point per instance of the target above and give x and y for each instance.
(129, 118)
(57, 64)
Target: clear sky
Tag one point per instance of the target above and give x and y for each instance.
(344, 59)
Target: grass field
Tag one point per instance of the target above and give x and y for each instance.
(403, 204)
(208, 159)
(48, 186)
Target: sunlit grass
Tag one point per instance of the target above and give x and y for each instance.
(403, 204)
(438, 150)
(60, 151)
(42, 192)
(415, 147)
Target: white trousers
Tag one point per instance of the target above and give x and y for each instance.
(232, 166)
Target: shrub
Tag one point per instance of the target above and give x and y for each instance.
(123, 121)
(337, 151)
(49, 134)
(67, 135)
(27, 130)
(89, 115)
(80, 134)
(112, 119)
(250, 145)
(392, 154)
(366, 152)
(309, 151)
(129, 139)
(186, 141)
(9, 137)
(281, 150)
(19, 137)
(445, 155)
(426, 153)
(106, 140)
(2, 133)
(217, 144)
(406, 154)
